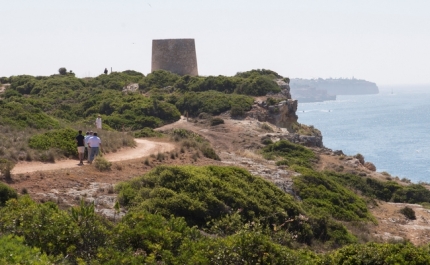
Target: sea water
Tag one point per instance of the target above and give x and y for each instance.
(390, 129)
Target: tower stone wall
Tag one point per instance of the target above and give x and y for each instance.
(175, 55)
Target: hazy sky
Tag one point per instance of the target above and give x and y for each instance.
(384, 41)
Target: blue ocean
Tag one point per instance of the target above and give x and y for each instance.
(390, 129)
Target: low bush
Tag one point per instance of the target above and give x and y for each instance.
(63, 139)
(266, 127)
(102, 164)
(208, 151)
(21, 113)
(76, 234)
(294, 154)
(360, 158)
(147, 132)
(374, 253)
(383, 190)
(6, 193)
(322, 195)
(266, 140)
(14, 250)
(212, 103)
(216, 121)
(408, 212)
(201, 194)
(6, 167)
(193, 140)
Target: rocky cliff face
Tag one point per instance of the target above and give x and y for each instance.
(282, 114)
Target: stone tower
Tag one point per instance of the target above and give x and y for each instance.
(175, 55)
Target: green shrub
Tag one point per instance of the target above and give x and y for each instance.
(160, 157)
(258, 72)
(360, 158)
(208, 152)
(77, 233)
(62, 71)
(13, 250)
(266, 140)
(62, 139)
(6, 193)
(200, 194)
(383, 190)
(216, 121)
(258, 86)
(6, 167)
(373, 253)
(147, 132)
(320, 194)
(153, 233)
(158, 79)
(414, 193)
(408, 212)
(212, 102)
(234, 249)
(294, 154)
(282, 163)
(102, 163)
(21, 113)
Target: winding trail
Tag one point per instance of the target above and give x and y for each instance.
(143, 148)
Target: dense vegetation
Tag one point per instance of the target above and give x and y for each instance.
(43, 101)
(191, 215)
(31, 105)
(182, 214)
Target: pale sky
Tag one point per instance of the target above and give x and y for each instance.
(383, 41)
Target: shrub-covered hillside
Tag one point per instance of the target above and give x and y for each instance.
(181, 214)
(194, 215)
(39, 102)
(63, 103)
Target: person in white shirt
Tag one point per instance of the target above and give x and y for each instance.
(95, 144)
(99, 122)
(87, 149)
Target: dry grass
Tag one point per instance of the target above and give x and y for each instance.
(266, 127)
(251, 155)
(14, 144)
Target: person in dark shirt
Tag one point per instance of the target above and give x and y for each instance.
(81, 146)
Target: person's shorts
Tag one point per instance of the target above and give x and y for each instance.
(81, 149)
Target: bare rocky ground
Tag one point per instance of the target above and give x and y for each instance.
(236, 142)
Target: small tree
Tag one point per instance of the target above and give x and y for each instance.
(62, 71)
(6, 167)
(408, 212)
(6, 193)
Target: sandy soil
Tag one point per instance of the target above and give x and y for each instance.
(394, 226)
(143, 148)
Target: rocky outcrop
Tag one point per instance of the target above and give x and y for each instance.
(283, 114)
(305, 140)
(285, 89)
(131, 88)
(370, 166)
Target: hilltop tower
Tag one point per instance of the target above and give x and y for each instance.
(175, 55)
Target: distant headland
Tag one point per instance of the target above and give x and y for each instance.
(312, 90)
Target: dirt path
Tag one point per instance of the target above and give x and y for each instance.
(143, 148)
